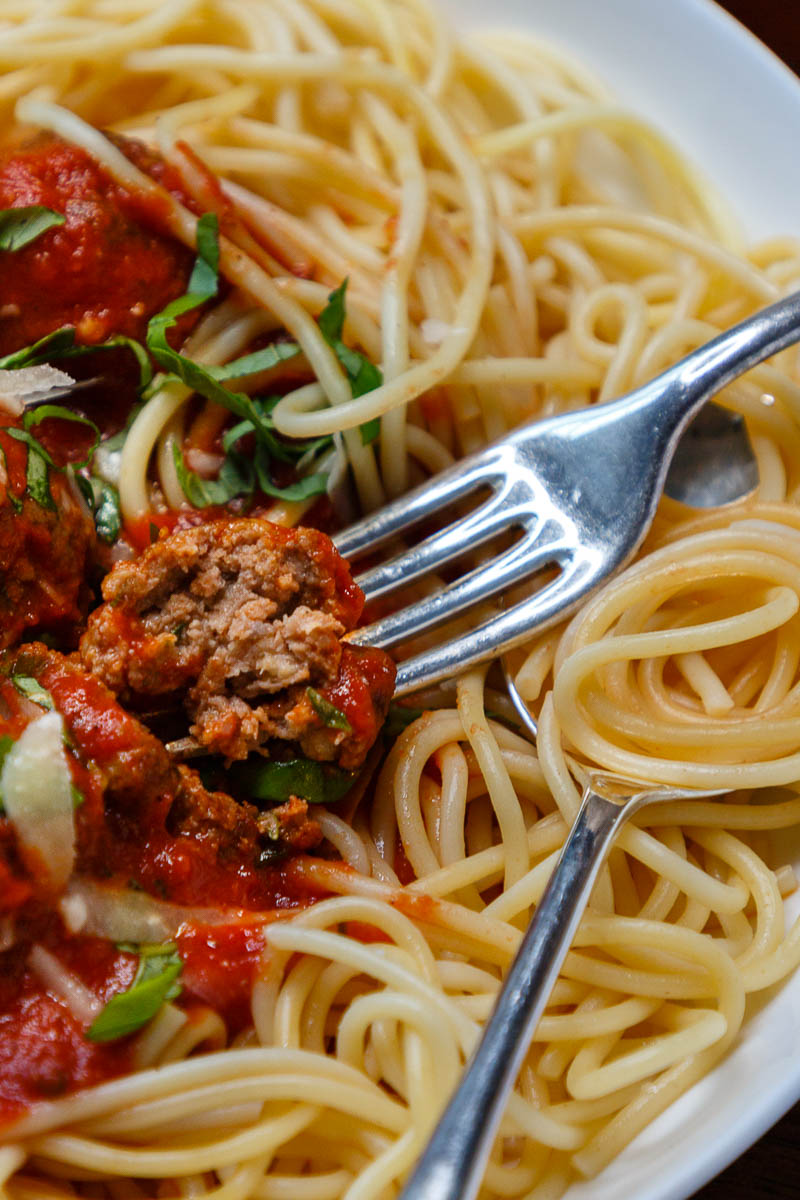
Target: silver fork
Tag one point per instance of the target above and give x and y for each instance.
(582, 488)
(453, 1162)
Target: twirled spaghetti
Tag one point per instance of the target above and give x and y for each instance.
(515, 246)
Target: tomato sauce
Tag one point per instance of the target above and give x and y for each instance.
(362, 691)
(105, 271)
(44, 551)
(43, 1051)
(219, 967)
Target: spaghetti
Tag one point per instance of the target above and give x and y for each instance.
(515, 245)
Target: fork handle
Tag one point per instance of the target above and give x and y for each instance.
(451, 1167)
(683, 388)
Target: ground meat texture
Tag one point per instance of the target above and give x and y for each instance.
(44, 551)
(142, 820)
(106, 270)
(238, 618)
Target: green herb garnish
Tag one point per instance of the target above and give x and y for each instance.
(398, 718)
(328, 713)
(6, 743)
(26, 685)
(19, 226)
(155, 982)
(276, 782)
(363, 375)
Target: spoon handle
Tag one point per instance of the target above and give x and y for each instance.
(452, 1165)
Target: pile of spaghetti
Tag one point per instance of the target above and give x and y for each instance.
(514, 245)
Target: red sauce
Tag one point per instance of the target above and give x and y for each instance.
(44, 551)
(43, 1051)
(100, 726)
(219, 967)
(362, 691)
(105, 271)
(187, 870)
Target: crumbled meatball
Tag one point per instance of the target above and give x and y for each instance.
(290, 827)
(141, 819)
(239, 618)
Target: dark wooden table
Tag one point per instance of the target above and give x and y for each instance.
(772, 1168)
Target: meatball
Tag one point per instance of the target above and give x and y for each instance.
(243, 619)
(141, 819)
(45, 550)
(104, 271)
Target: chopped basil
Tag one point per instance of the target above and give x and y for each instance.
(78, 797)
(283, 451)
(204, 279)
(235, 478)
(302, 489)
(155, 982)
(6, 743)
(363, 375)
(103, 500)
(398, 718)
(19, 226)
(30, 687)
(275, 782)
(52, 345)
(61, 344)
(37, 479)
(258, 360)
(202, 287)
(328, 713)
(14, 500)
(239, 474)
(370, 430)
(44, 412)
(331, 319)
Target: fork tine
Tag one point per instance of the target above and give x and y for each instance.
(453, 484)
(434, 552)
(502, 632)
(514, 565)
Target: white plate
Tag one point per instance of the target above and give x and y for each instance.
(733, 108)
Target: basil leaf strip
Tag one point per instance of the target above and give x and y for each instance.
(61, 344)
(398, 718)
(103, 499)
(19, 226)
(258, 360)
(6, 743)
(204, 279)
(44, 412)
(276, 782)
(235, 479)
(30, 687)
(328, 713)
(155, 982)
(199, 378)
(52, 345)
(303, 489)
(363, 375)
(14, 500)
(37, 480)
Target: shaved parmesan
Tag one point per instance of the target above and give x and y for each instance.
(125, 915)
(28, 384)
(81, 1002)
(36, 786)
